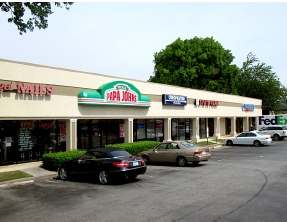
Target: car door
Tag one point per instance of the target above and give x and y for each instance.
(171, 152)
(84, 162)
(250, 138)
(240, 139)
(158, 153)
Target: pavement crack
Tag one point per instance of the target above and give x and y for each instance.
(254, 196)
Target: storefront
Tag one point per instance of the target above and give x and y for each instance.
(46, 109)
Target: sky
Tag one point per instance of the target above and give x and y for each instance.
(120, 38)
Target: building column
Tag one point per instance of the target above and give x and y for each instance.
(216, 127)
(246, 125)
(233, 126)
(195, 130)
(167, 129)
(129, 128)
(71, 134)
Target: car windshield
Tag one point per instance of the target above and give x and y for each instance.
(118, 153)
(260, 133)
(188, 144)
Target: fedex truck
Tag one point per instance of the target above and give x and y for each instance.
(271, 120)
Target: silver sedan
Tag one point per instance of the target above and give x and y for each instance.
(248, 138)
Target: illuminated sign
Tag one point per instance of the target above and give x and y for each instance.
(169, 99)
(117, 93)
(247, 107)
(28, 88)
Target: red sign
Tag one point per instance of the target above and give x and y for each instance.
(208, 103)
(63, 129)
(27, 124)
(46, 125)
(28, 88)
(122, 130)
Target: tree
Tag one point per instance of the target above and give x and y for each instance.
(196, 63)
(39, 13)
(258, 81)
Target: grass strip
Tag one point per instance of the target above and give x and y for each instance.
(13, 175)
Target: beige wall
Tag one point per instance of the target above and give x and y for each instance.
(68, 83)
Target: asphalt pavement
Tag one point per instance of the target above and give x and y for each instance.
(37, 171)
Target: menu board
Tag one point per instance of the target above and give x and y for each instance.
(24, 139)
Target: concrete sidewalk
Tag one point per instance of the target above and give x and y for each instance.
(32, 168)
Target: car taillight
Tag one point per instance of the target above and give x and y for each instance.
(198, 152)
(121, 164)
(207, 150)
(143, 162)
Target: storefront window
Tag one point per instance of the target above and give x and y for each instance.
(83, 134)
(159, 129)
(141, 127)
(202, 128)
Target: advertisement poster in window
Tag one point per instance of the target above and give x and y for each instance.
(122, 130)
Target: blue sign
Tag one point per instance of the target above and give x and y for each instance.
(140, 126)
(247, 107)
(169, 99)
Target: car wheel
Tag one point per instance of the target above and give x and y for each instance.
(256, 143)
(276, 137)
(229, 143)
(103, 177)
(195, 163)
(181, 161)
(146, 159)
(63, 173)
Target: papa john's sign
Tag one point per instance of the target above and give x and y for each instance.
(117, 93)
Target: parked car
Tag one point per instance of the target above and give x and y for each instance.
(179, 151)
(248, 138)
(276, 132)
(106, 163)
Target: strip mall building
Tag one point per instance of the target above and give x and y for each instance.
(46, 109)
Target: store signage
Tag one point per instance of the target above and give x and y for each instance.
(122, 130)
(140, 126)
(169, 99)
(27, 124)
(247, 107)
(117, 93)
(272, 120)
(27, 88)
(202, 102)
(46, 125)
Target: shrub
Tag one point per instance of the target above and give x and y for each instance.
(136, 147)
(51, 161)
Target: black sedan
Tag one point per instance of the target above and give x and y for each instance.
(104, 162)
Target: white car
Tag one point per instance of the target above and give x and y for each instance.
(248, 138)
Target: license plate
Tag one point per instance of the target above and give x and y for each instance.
(203, 152)
(135, 163)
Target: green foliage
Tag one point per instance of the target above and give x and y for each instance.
(13, 175)
(196, 63)
(136, 147)
(258, 81)
(51, 161)
(39, 13)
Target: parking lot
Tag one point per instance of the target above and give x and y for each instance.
(239, 183)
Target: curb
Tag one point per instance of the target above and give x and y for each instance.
(22, 181)
(15, 183)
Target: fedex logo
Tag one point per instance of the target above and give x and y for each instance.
(272, 120)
